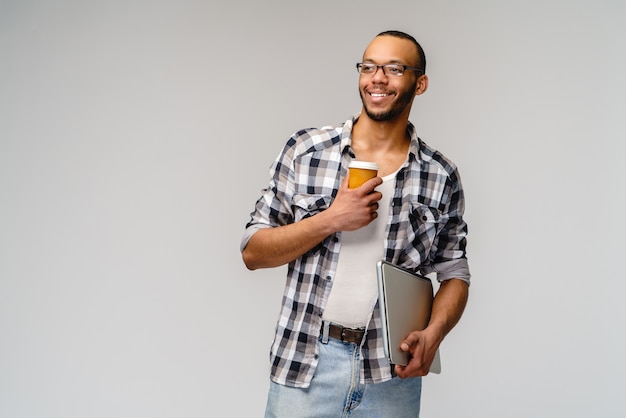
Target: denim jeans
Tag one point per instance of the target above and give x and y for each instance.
(335, 391)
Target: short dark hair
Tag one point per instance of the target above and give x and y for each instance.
(420, 52)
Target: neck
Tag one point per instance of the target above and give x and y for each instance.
(380, 135)
(386, 143)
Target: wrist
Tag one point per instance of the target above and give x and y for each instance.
(323, 223)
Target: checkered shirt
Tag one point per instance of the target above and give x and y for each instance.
(425, 232)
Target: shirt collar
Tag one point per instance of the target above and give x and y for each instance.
(346, 139)
(346, 135)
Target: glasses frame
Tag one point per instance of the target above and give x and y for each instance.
(384, 67)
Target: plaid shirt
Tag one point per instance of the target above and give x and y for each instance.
(425, 232)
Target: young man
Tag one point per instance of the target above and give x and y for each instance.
(327, 359)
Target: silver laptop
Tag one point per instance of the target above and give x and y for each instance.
(405, 300)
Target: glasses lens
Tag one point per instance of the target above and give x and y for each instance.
(366, 68)
(393, 69)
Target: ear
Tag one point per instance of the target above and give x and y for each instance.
(422, 85)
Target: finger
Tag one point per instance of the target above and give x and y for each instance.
(371, 184)
(415, 368)
(409, 341)
(409, 371)
(399, 370)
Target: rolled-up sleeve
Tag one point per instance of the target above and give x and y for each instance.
(453, 269)
(273, 208)
(248, 234)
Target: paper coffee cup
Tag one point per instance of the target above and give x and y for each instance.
(360, 172)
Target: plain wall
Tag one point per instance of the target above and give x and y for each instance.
(135, 137)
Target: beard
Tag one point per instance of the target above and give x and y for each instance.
(397, 108)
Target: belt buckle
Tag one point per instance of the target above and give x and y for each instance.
(343, 335)
(349, 335)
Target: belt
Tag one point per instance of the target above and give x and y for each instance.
(346, 335)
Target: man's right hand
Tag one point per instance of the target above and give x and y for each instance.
(354, 208)
(350, 210)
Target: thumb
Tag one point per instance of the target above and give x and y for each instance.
(409, 341)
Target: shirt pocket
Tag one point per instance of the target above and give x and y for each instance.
(425, 224)
(306, 205)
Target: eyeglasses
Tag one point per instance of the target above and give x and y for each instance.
(388, 69)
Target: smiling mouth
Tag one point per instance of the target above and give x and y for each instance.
(379, 94)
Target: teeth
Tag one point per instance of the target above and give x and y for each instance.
(378, 94)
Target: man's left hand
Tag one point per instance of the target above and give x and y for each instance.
(422, 347)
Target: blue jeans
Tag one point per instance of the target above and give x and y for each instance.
(335, 391)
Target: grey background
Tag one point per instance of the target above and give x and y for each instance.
(135, 137)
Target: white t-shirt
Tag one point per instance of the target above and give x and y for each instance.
(355, 290)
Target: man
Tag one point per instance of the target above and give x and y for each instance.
(327, 359)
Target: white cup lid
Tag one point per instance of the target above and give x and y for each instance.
(367, 165)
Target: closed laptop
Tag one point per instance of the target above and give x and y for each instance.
(405, 300)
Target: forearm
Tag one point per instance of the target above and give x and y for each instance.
(273, 247)
(448, 306)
